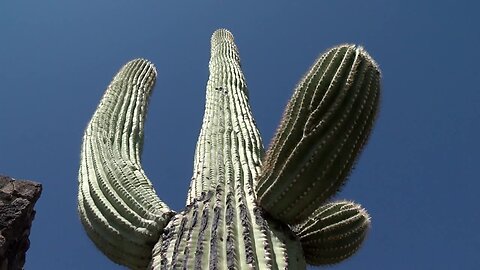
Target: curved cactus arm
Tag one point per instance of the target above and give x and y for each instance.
(333, 233)
(323, 129)
(117, 204)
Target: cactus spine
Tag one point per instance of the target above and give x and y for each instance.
(243, 211)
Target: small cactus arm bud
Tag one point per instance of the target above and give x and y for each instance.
(323, 129)
(117, 204)
(333, 233)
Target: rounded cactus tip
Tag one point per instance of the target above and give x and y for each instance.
(361, 51)
(221, 35)
(141, 69)
(223, 44)
(147, 64)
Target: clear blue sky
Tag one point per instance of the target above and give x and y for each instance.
(417, 176)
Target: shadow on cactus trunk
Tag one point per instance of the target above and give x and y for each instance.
(242, 211)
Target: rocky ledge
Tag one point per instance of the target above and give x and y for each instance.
(17, 199)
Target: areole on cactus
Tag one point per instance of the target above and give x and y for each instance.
(245, 209)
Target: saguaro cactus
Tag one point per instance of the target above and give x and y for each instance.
(245, 209)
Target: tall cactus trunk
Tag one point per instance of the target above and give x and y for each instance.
(223, 227)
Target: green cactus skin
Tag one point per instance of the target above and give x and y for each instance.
(117, 204)
(231, 220)
(333, 233)
(323, 130)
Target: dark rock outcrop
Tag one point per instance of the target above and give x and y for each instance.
(17, 199)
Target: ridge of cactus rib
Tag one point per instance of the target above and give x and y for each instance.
(323, 129)
(333, 233)
(118, 206)
(223, 227)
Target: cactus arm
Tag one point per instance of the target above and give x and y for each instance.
(333, 233)
(323, 129)
(223, 227)
(118, 206)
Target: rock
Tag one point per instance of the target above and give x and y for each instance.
(17, 199)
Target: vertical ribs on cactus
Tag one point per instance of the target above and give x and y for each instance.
(242, 211)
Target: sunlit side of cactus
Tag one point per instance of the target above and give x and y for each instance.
(244, 211)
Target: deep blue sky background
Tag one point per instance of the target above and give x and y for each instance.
(418, 176)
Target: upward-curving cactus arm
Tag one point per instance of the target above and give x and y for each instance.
(323, 130)
(117, 204)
